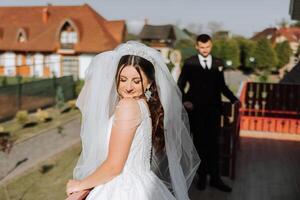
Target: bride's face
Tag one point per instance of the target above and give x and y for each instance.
(130, 83)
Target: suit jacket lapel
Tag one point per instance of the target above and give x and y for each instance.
(218, 65)
(213, 63)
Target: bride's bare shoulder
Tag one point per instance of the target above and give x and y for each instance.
(127, 107)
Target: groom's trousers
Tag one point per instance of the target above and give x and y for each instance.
(205, 127)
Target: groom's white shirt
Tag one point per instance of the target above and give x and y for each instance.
(208, 61)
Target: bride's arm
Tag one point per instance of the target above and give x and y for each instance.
(127, 118)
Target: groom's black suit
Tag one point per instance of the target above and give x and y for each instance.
(206, 87)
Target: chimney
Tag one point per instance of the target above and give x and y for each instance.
(146, 21)
(45, 15)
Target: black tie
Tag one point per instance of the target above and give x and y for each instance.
(205, 66)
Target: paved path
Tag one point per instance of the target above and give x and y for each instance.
(38, 149)
(235, 77)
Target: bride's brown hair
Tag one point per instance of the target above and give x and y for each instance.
(155, 107)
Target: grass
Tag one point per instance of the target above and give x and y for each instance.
(19, 134)
(46, 181)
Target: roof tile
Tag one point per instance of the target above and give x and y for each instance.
(96, 34)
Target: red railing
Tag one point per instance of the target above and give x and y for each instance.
(281, 111)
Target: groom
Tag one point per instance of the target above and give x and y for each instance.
(204, 74)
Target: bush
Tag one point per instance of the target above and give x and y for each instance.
(232, 53)
(41, 115)
(265, 55)
(298, 51)
(228, 50)
(187, 48)
(78, 86)
(1, 129)
(284, 52)
(59, 98)
(4, 81)
(247, 48)
(72, 104)
(217, 48)
(22, 116)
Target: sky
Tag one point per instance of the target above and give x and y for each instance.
(241, 17)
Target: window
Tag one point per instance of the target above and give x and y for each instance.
(70, 66)
(10, 72)
(68, 34)
(2, 60)
(19, 60)
(269, 36)
(29, 60)
(21, 36)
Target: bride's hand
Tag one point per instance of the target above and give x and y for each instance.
(73, 186)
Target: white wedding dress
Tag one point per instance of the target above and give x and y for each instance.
(137, 181)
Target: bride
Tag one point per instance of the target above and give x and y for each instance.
(135, 135)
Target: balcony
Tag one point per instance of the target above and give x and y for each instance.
(66, 48)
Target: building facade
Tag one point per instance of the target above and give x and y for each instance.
(163, 38)
(44, 41)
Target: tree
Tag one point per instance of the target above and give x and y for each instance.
(228, 50)
(131, 36)
(247, 48)
(284, 52)
(298, 51)
(214, 26)
(231, 53)
(265, 56)
(218, 48)
(186, 47)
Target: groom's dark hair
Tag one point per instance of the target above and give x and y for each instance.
(203, 38)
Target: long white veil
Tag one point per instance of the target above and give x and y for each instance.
(177, 165)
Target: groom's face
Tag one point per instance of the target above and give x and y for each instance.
(130, 84)
(204, 48)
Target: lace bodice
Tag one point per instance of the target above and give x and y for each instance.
(140, 151)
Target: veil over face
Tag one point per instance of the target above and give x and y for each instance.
(177, 165)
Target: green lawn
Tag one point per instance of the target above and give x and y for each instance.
(19, 134)
(46, 181)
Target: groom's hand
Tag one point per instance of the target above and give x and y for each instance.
(238, 104)
(188, 105)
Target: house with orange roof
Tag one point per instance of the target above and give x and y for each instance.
(278, 35)
(44, 41)
(291, 34)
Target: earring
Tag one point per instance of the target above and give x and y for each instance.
(148, 93)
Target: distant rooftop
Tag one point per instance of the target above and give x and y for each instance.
(163, 32)
(41, 26)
